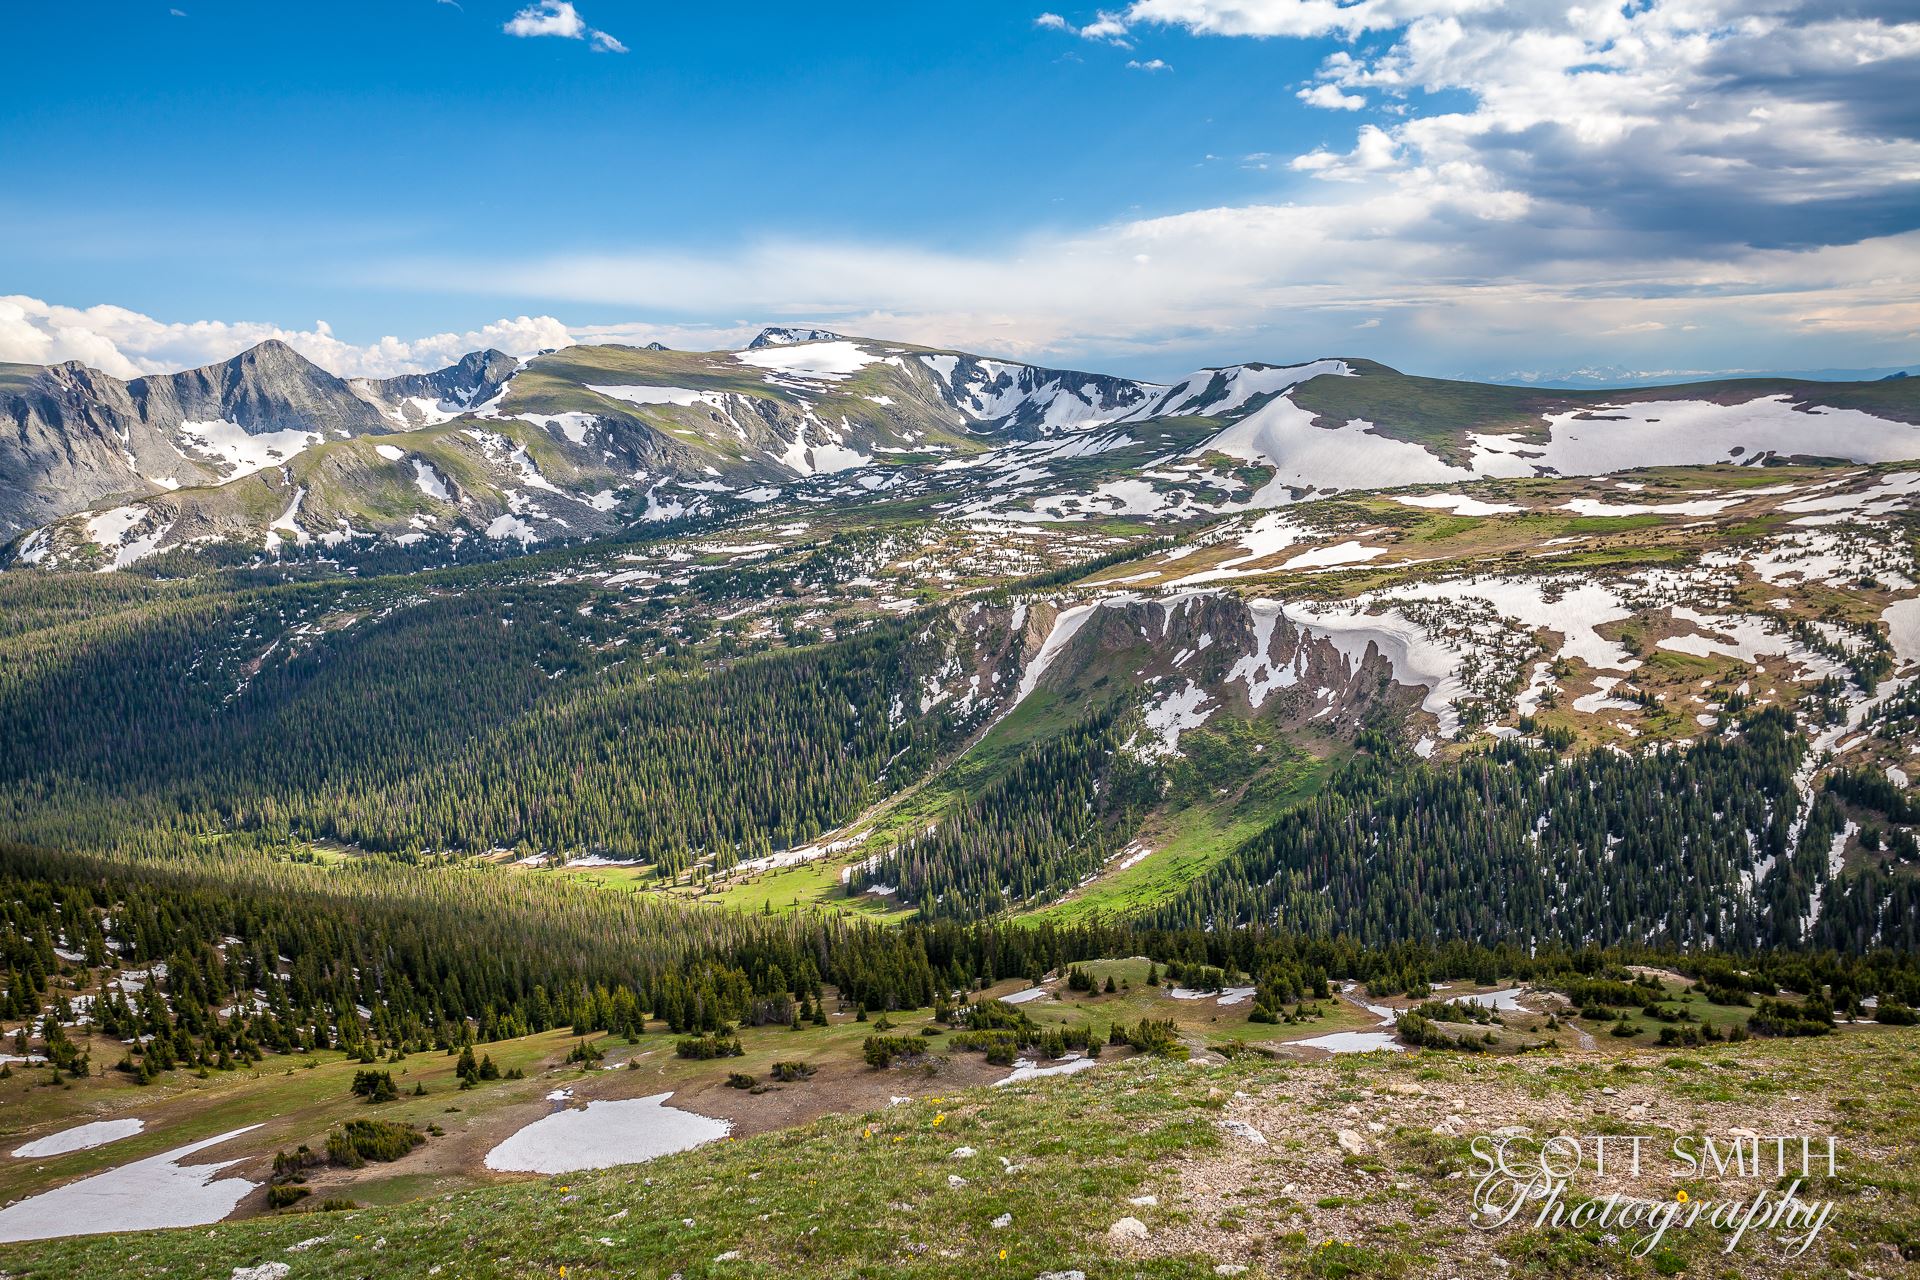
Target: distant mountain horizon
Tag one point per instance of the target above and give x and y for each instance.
(1607, 376)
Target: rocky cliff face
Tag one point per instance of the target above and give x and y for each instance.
(69, 437)
(72, 437)
(420, 399)
(269, 388)
(1190, 658)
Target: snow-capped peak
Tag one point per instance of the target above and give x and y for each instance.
(780, 336)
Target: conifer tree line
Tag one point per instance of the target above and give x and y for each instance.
(503, 718)
(1056, 817)
(198, 959)
(1517, 844)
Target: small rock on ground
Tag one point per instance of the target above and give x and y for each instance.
(1241, 1129)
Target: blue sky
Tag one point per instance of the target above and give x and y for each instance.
(1447, 185)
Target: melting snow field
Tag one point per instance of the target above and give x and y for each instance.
(1507, 1001)
(1242, 383)
(603, 1134)
(1231, 995)
(1267, 536)
(156, 1192)
(243, 452)
(818, 361)
(1359, 1041)
(1354, 1042)
(1657, 433)
(80, 1138)
(1458, 503)
(1021, 997)
(1025, 1069)
(1065, 627)
(683, 396)
(109, 529)
(994, 389)
(1416, 658)
(1282, 435)
(1903, 628)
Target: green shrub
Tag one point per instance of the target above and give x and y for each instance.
(703, 1048)
(292, 1166)
(375, 1086)
(1782, 1018)
(358, 1141)
(1156, 1036)
(884, 1051)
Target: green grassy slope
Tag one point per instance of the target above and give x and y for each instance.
(1059, 1161)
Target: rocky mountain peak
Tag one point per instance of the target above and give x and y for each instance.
(269, 387)
(781, 336)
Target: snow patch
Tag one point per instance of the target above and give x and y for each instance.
(80, 1138)
(156, 1192)
(603, 1134)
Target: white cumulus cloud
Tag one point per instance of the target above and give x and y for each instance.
(1329, 97)
(127, 343)
(547, 18)
(560, 18)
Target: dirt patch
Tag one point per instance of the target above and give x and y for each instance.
(1372, 1157)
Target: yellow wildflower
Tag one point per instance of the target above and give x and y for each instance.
(1681, 1196)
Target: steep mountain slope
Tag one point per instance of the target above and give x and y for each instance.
(71, 436)
(1238, 664)
(424, 399)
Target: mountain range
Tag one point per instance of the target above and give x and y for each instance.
(268, 452)
(783, 698)
(1192, 605)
